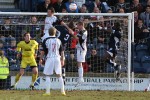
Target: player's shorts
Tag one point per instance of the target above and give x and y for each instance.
(112, 52)
(28, 61)
(81, 55)
(52, 65)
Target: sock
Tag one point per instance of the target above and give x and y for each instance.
(18, 76)
(80, 72)
(47, 84)
(61, 84)
(63, 73)
(34, 77)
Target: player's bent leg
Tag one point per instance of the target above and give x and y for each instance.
(61, 84)
(34, 76)
(18, 77)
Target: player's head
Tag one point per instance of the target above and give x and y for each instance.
(52, 31)
(27, 37)
(80, 25)
(116, 26)
(50, 11)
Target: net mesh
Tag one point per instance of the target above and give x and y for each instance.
(99, 29)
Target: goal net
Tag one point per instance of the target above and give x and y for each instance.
(98, 74)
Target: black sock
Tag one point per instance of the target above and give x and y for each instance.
(63, 73)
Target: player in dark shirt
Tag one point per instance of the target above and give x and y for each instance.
(114, 43)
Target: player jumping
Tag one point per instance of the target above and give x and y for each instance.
(81, 37)
(114, 43)
(50, 21)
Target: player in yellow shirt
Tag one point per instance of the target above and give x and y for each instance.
(27, 50)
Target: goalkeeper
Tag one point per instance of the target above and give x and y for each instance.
(27, 50)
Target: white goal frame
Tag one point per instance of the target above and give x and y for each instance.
(130, 32)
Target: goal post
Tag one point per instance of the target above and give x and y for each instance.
(90, 77)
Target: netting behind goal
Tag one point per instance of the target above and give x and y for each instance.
(98, 75)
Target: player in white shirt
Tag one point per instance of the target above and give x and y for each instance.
(50, 21)
(81, 48)
(54, 60)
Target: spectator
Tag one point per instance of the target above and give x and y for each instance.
(136, 16)
(83, 9)
(121, 10)
(58, 6)
(4, 70)
(145, 16)
(94, 62)
(12, 53)
(136, 5)
(148, 2)
(138, 31)
(103, 6)
(35, 29)
(145, 3)
(96, 10)
(6, 29)
(44, 6)
(122, 4)
(68, 9)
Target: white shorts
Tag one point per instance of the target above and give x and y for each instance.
(52, 65)
(81, 55)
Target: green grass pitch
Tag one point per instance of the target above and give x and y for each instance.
(73, 95)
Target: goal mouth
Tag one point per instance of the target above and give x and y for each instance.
(98, 74)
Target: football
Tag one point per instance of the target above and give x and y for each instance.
(72, 7)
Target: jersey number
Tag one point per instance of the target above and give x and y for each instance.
(53, 47)
(67, 37)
